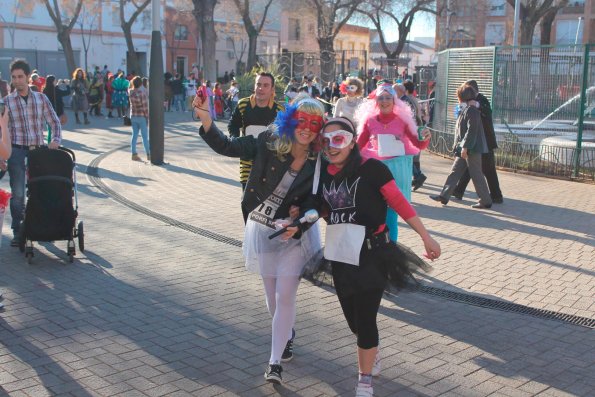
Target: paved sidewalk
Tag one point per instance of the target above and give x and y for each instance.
(152, 309)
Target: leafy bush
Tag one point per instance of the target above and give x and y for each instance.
(246, 81)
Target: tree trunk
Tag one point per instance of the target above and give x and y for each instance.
(64, 39)
(546, 26)
(252, 37)
(132, 64)
(327, 59)
(203, 13)
(527, 29)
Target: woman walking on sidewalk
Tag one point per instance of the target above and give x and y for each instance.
(470, 144)
(139, 116)
(281, 177)
(387, 132)
(353, 196)
(80, 90)
(120, 94)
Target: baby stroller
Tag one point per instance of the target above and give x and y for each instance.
(49, 214)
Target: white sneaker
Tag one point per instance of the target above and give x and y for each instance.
(377, 364)
(364, 390)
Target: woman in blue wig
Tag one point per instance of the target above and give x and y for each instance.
(281, 179)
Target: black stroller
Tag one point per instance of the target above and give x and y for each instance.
(49, 214)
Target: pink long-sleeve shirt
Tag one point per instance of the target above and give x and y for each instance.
(388, 124)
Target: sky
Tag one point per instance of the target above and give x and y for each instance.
(424, 25)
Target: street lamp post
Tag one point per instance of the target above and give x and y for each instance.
(156, 90)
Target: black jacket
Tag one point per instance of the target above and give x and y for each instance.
(267, 170)
(486, 121)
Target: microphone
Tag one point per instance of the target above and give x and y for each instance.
(310, 216)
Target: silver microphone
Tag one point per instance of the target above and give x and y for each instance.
(310, 216)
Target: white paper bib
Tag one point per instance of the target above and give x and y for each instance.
(255, 130)
(390, 146)
(344, 242)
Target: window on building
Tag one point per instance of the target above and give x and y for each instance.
(146, 21)
(495, 33)
(576, 3)
(351, 46)
(566, 32)
(229, 43)
(462, 38)
(310, 28)
(26, 12)
(115, 14)
(262, 47)
(496, 8)
(362, 47)
(181, 32)
(339, 45)
(294, 29)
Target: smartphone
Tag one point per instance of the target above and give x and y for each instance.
(2, 107)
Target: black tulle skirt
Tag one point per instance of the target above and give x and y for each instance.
(391, 265)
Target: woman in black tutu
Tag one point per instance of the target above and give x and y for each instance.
(353, 196)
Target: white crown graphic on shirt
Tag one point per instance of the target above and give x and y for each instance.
(341, 197)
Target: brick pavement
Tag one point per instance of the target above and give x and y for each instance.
(151, 309)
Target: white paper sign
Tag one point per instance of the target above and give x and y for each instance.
(344, 242)
(390, 146)
(255, 130)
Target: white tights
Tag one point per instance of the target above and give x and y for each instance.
(281, 296)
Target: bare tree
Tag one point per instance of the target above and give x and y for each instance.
(402, 14)
(252, 25)
(64, 19)
(547, 20)
(204, 11)
(531, 13)
(238, 49)
(331, 16)
(18, 8)
(133, 63)
(87, 23)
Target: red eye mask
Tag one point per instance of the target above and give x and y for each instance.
(309, 121)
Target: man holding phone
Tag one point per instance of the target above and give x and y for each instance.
(253, 114)
(28, 113)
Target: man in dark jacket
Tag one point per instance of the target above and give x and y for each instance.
(310, 89)
(177, 88)
(488, 162)
(253, 114)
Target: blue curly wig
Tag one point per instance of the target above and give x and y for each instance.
(285, 124)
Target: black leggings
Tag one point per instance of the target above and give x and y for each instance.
(360, 311)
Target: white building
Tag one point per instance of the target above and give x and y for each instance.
(31, 33)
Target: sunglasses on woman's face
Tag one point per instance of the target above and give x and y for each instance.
(337, 139)
(352, 88)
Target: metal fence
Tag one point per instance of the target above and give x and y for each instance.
(543, 101)
(342, 63)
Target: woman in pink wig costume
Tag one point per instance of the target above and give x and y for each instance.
(387, 132)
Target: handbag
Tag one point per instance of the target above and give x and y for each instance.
(127, 121)
(63, 119)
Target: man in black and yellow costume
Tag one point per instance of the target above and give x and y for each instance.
(253, 114)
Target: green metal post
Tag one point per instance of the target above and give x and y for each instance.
(494, 77)
(581, 115)
(446, 91)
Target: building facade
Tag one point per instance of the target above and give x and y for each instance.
(97, 37)
(467, 23)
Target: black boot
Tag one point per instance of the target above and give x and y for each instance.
(86, 118)
(76, 115)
